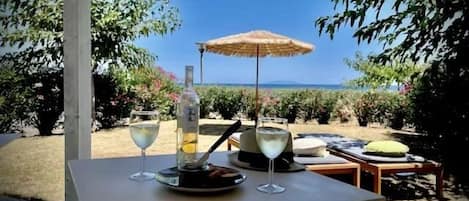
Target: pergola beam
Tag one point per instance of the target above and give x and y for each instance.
(77, 85)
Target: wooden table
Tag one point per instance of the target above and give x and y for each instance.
(107, 179)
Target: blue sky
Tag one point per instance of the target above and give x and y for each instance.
(203, 20)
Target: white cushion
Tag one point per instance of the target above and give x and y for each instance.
(310, 146)
(236, 136)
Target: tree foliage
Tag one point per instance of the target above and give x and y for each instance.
(441, 109)
(433, 31)
(32, 37)
(14, 99)
(35, 29)
(414, 29)
(377, 75)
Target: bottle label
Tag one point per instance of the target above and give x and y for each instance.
(191, 119)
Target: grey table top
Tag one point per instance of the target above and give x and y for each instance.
(107, 179)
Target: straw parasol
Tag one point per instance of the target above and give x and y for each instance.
(257, 44)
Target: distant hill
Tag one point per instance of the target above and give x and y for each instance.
(283, 82)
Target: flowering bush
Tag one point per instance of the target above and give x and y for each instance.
(325, 105)
(407, 88)
(390, 108)
(289, 105)
(344, 106)
(343, 112)
(267, 102)
(365, 108)
(155, 89)
(118, 91)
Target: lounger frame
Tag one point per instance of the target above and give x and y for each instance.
(379, 169)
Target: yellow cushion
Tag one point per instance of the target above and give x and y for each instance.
(387, 148)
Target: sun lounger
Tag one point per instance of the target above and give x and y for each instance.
(352, 149)
(330, 165)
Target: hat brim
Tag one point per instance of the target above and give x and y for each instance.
(233, 158)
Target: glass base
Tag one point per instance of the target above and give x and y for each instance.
(270, 188)
(142, 176)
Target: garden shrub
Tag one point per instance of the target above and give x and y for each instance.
(47, 101)
(155, 89)
(344, 105)
(289, 105)
(248, 103)
(398, 114)
(365, 107)
(112, 102)
(381, 107)
(308, 104)
(227, 102)
(118, 91)
(325, 105)
(14, 102)
(384, 107)
(267, 102)
(206, 96)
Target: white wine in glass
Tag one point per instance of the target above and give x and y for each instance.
(272, 137)
(144, 127)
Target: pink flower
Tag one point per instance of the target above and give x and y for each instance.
(172, 76)
(173, 96)
(159, 68)
(406, 89)
(157, 84)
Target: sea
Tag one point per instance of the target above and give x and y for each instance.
(292, 86)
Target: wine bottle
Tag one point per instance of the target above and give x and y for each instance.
(188, 109)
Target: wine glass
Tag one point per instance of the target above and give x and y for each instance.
(144, 127)
(272, 137)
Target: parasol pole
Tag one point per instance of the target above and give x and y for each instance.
(201, 50)
(257, 84)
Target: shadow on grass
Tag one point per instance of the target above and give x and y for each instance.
(12, 197)
(424, 146)
(411, 187)
(218, 129)
(419, 144)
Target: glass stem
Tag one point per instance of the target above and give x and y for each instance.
(142, 167)
(271, 171)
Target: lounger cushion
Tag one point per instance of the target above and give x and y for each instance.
(330, 159)
(386, 148)
(310, 147)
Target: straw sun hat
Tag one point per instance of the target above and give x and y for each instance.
(250, 157)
